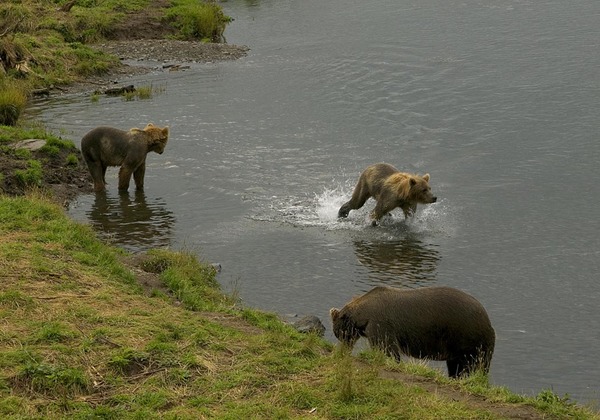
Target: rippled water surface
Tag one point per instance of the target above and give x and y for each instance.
(497, 100)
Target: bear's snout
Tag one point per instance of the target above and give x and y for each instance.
(433, 199)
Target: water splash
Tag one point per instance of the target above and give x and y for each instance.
(328, 203)
(321, 209)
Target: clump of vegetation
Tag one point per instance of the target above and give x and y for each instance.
(192, 283)
(13, 99)
(55, 144)
(142, 92)
(197, 20)
(32, 176)
(72, 159)
(52, 379)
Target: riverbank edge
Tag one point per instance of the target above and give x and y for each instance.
(21, 388)
(371, 377)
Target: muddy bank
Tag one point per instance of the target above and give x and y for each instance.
(142, 56)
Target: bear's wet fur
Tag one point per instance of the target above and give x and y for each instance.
(390, 188)
(435, 323)
(107, 146)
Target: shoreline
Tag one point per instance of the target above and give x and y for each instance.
(148, 53)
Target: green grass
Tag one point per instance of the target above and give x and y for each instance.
(32, 176)
(45, 46)
(81, 339)
(13, 99)
(11, 134)
(198, 20)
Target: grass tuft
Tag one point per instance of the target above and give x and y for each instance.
(52, 379)
(13, 99)
(198, 20)
(32, 176)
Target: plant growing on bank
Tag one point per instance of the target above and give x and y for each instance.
(13, 99)
(198, 20)
(45, 45)
(32, 176)
(72, 159)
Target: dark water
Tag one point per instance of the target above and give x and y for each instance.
(497, 100)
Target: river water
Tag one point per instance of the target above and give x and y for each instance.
(496, 99)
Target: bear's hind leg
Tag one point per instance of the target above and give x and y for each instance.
(97, 175)
(359, 198)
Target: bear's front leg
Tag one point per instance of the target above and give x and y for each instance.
(138, 176)
(409, 210)
(382, 208)
(124, 178)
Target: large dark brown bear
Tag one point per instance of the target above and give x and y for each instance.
(436, 323)
(391, 188)
(106, 146)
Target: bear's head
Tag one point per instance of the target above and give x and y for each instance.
(157, 138)
(344, 328)
(412, 188)
(420, 190)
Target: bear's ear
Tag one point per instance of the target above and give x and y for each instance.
(149, 125)
(412, 181)
(426, 177)
(334, 313)
(165, 131)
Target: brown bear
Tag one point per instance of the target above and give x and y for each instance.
(391, 188)
(435, 323)
(106, 146)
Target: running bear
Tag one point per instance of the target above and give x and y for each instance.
(436, 323)
(391, 188)
(106, 146)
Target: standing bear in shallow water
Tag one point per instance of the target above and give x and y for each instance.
(391, 188)
(106, 146)
(436, 323)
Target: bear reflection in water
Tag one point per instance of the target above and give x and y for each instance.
(403, 262)
(132, 223)
(435, 323)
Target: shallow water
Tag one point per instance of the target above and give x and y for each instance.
(498, 101)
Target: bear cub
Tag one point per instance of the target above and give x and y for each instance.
(391, 188)
(107, 146)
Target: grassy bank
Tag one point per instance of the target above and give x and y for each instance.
(91, 332)
(46, 43)
(57, 165)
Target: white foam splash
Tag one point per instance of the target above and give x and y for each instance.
(321, 210)
(328, 204)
